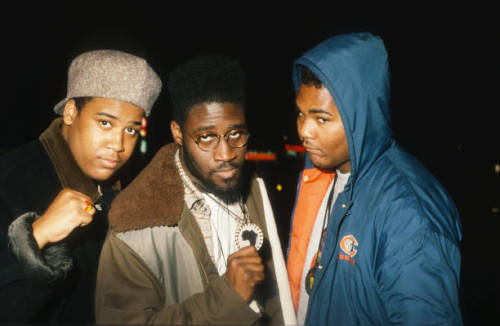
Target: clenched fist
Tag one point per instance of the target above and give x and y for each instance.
(66, 212)
(244, 271)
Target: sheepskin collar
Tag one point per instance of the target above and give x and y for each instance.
(69, 173)
(154, 198)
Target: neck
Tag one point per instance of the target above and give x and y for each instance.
(345, 167)
(65, 132)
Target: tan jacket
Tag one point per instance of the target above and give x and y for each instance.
(155, 267)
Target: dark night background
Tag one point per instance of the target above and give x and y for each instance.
(443, 76)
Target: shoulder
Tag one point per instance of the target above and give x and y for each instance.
(28, 180)
(27, 157)
(155, 197)
(398, 174)
(408, 197)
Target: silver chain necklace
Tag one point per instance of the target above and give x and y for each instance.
(246, 233)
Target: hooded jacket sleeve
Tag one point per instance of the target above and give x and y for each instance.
(129, 293)
(418, 272)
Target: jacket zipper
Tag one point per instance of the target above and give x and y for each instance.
(309, 305)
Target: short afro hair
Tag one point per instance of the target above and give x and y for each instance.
(206, 78)
(308, 78)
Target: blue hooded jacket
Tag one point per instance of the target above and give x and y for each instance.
(391, 255)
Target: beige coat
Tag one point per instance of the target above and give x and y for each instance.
(155, 268)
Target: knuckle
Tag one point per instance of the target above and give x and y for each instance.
(67, 193)
(232, 264)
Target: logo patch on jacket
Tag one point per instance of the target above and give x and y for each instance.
(349, 246)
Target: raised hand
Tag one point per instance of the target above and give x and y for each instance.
(244, 271)
(69, 210)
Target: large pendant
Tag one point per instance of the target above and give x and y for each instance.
(249, 234)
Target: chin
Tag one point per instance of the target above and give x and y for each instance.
(323, 166)
(103, 176)
(318, 163)
(226, 184)
(229, 190)
(100, 178)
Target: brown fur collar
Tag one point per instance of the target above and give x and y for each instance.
(69, 173)
(154, 198)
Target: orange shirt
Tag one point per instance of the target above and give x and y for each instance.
(313, 187)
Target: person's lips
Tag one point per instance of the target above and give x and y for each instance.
(109, 162)
(226, 173)
(313, 150)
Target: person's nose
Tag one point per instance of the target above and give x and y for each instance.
(224, 152)
(115, 141)
(305, 129)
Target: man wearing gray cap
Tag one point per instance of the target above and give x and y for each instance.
(55, 190)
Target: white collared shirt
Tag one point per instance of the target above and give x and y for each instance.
(224, 235)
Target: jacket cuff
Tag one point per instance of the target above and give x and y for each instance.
(46, 266)
(230, 303)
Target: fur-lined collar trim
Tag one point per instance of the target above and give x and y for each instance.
(154, 198)
(69, 173)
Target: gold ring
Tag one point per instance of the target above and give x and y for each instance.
(88, 208)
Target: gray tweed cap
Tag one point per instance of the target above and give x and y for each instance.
(112, 74)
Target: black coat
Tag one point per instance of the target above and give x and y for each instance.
(55, 284)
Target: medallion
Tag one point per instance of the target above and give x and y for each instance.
(249, 234)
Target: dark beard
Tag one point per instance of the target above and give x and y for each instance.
(229, 195)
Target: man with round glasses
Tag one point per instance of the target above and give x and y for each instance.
(236, 138)
(189, 243)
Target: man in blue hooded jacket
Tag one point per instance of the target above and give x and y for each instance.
(375, 237)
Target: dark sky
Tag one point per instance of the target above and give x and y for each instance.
(441, 58)
(444, 74)
(437, 58)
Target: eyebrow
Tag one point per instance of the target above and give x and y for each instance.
(134, 122)
(319, 111)
(233, 126)
(314, 111)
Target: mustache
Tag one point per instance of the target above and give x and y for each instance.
(226, 166)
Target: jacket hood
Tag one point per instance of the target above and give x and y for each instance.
(355, 70)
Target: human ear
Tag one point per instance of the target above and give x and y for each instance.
(69, 112)
(176, 132)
